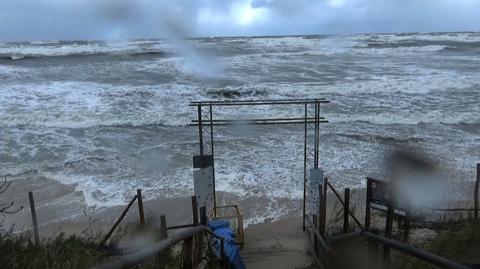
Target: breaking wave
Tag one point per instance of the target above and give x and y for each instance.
(75, 49)
(155, 54)
(439, 45)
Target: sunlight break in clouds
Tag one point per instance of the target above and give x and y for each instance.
(126, 19)
(245, 14)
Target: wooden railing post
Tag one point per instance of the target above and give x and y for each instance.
(34, 218)
(195, 210)
(367, 205)
(388, 229)
(322, 196)
(163, 227)
(315, 237)
(320, 210)
(198, 239)
(203, 215)
(140, 207)
(188, 253)
(223, 255)
(475, 197)
(346, 211)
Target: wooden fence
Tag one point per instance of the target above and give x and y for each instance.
(321, 243)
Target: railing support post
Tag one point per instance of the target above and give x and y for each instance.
(194, 210)
(346, 209)
(223, 255)
(322, 193)
(203, 215)
(475, 197)
(188, 253)
(388, 229)
(315, 237)
(163, 227)
(140, 207)
(367, 205)
(34, 218)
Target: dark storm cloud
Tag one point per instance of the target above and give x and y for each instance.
(119, 19)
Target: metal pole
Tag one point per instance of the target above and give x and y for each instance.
(475, 197)
(34, 218)
(140, 207)
(315, 237)
(200, 130)
(213, 161)
(346, 211)
(317, 131)
(318, 138)
(305, 168)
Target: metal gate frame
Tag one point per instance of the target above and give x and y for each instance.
(311, 121)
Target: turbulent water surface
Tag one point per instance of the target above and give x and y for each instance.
(107, 117)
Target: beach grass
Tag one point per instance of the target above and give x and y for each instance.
(66, 252)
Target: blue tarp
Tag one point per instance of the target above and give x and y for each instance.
(222, 229)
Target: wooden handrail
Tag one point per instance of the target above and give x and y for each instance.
(314, 229)
(150, 252)
(416, 252)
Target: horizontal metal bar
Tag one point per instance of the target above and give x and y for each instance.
(416, 252)
(181, 226)
(261, 123)
(247, 120)
(150, 252)
(259, 102)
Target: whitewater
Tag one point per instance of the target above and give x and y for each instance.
(96, 120)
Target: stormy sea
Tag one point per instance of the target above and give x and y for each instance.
(86, 123)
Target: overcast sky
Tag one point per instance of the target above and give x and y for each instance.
(124, 19)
